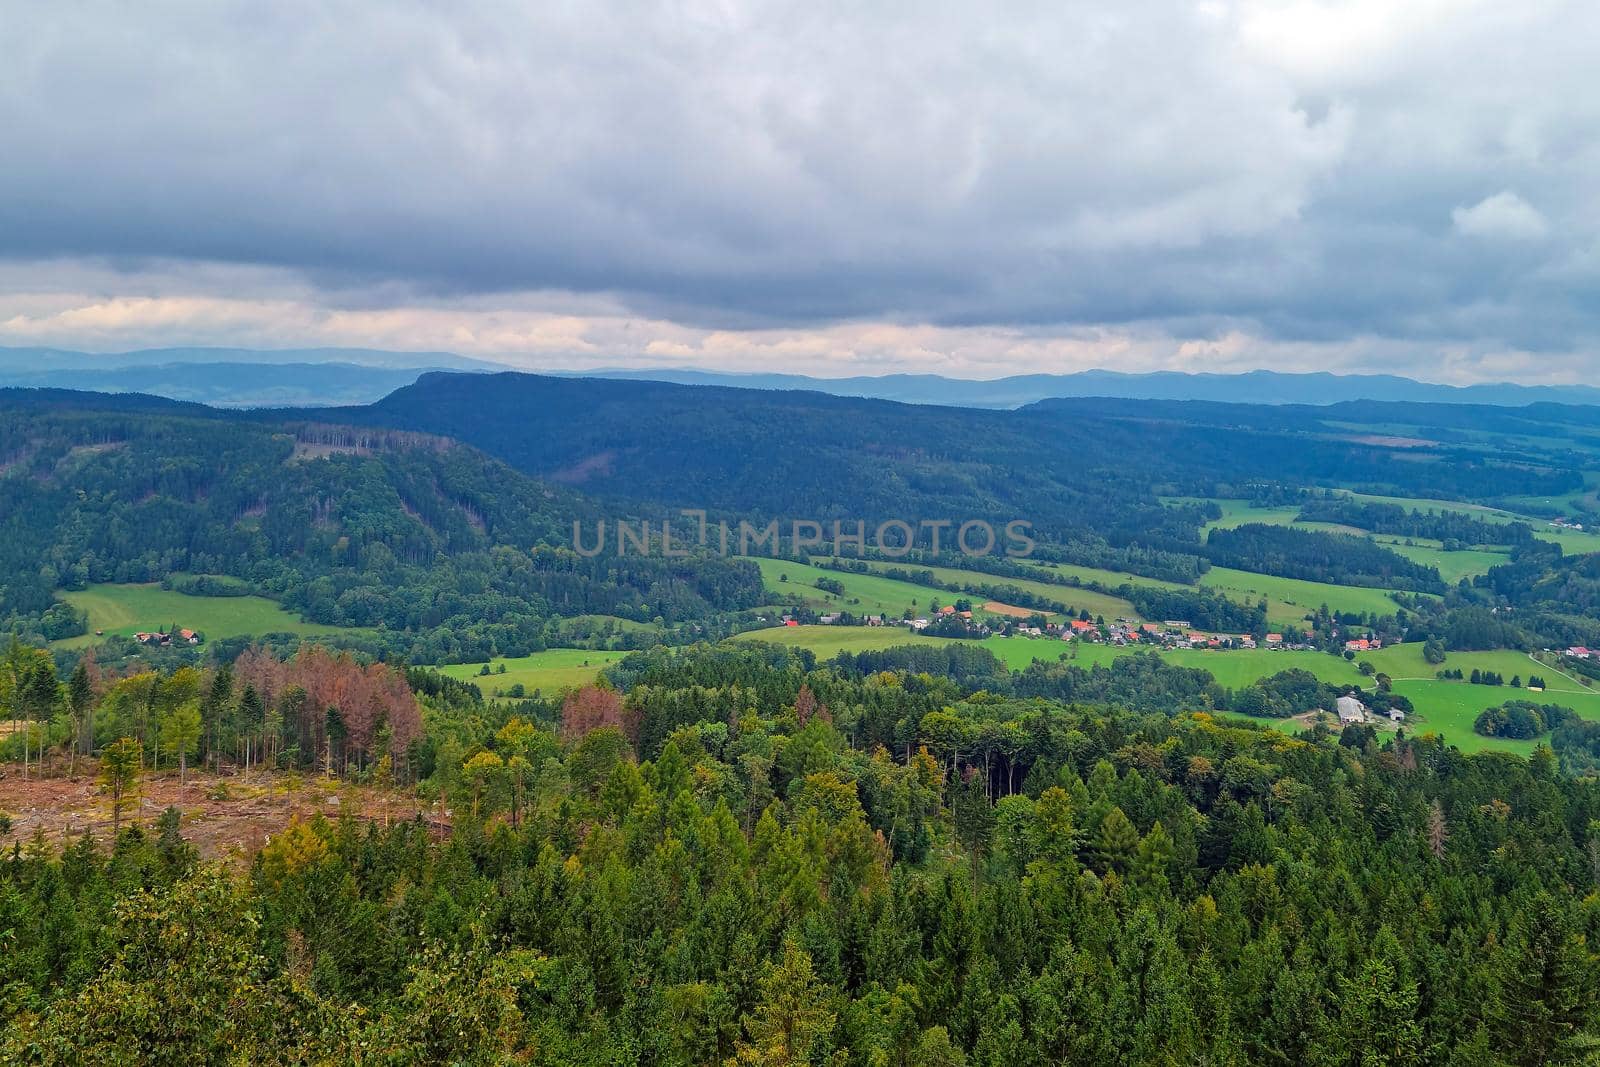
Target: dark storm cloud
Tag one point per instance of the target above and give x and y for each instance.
(1304, 171)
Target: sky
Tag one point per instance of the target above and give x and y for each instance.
(814, 187)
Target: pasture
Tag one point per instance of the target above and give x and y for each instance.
(1291, 599)
(1452, 566)
(549, 672)
(864, 594)
(122, 610)
(1232, 669)
(1109, 579)
(1097, 604)
(1447, 708)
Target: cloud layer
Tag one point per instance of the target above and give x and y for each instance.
(831, 187)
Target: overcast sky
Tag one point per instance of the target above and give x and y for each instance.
(968, 189)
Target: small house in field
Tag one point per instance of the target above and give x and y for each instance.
(1396, 715)
(1579, 652)
(1274, 640)
(1351, 710)
(1360, 644)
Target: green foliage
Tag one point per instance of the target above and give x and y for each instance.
(830, 865)
(1315, 556)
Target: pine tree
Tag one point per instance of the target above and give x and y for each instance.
(120, 766)
(1118, 842)
(792, 1020)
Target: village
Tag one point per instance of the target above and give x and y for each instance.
(167, 638)
(958, 620)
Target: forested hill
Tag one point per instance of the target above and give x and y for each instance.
(425, 543)
(783, 454)
(1078, 464)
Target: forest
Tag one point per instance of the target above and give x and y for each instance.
(1315, 556)
(744, 857)
(436, 550)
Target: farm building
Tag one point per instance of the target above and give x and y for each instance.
(1351, 710)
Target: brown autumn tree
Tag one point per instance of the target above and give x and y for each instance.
(368, 698)
(592, 707)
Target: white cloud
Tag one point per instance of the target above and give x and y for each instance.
(522, 330)
(1504, 216)
(966, 187)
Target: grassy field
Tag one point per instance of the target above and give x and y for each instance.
(1452, 566)
(550, 671)
(1239, 513)
(1447, 708)
(1572, 542)
(864, 594)
(126, 609)
(1291, 599)
(827, 641)
(620, 624)
(1110, 579)
(1078, 599)
(1231, 668)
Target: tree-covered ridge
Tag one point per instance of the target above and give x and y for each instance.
(741, 857)
(1313, 555)
(1446, 526)
(428, 541)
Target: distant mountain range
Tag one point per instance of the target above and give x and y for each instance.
(1251, 387)
(232, 377)
(242, 377)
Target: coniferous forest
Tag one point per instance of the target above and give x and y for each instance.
(742, 856)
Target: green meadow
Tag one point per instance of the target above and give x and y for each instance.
(1452, 566)
(1231, 668)
(864, 594)
(549, 672)
(1572, 542)
(1239, 513)
(1110, 579)
(123, 610)
(1447, 708)
(1094, 603)
(1291, 599)
(828, 641)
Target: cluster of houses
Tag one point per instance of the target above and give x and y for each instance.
(1580, 652)
(166, 639)
(1172, 633)
(1168, 634)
